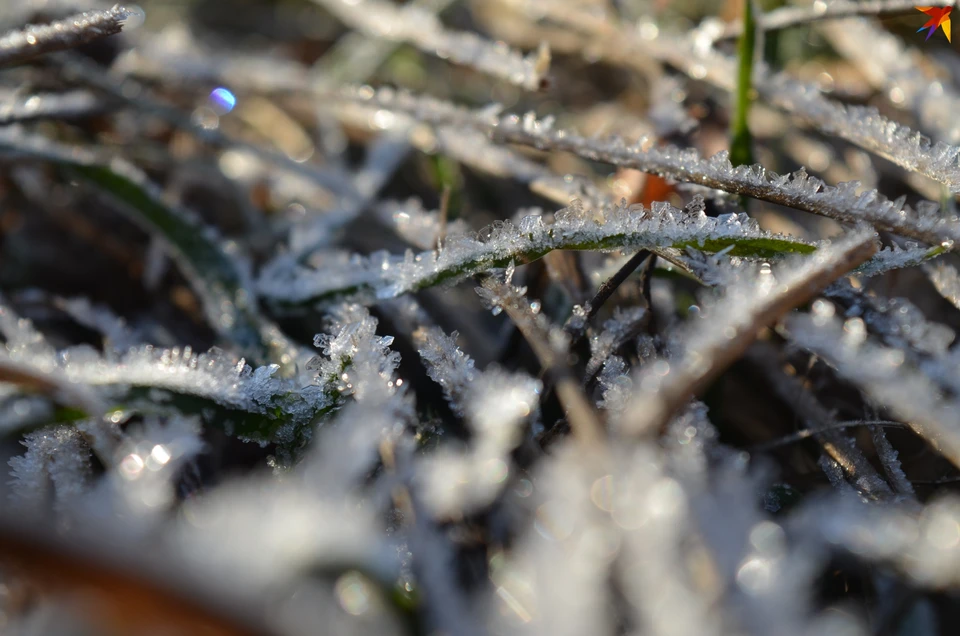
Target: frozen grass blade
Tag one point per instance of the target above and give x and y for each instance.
(23, 44)
(383, 276)
(797, 190)
(68, 105)
(215, 275)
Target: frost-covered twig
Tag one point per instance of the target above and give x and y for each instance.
(422, 29)
(576, 325)
(807, 433)
(868, 129)
(797, 190)
(285, 283)
(23, 44)
(890, 461)
(724, 329)
(881, 373)
(902, 73)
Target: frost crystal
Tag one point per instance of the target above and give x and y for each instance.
(495, 403)
(57, 460)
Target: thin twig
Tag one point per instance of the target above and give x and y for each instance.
(33, 40)
(576, 328)
(842, 450)
(807, 433)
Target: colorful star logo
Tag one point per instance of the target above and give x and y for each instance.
(939, 17)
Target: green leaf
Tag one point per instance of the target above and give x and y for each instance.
(741, 144)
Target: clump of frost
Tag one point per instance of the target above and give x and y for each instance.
(494, 403)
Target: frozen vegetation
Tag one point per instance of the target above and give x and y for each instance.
(479, 317)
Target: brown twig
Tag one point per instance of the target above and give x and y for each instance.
(33, 40)
(667, 385)
(128, 590)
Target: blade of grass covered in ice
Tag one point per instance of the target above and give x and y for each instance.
(881, 372)
(797, 190)
(741, 142)
(250, 404)
(892, 258)
(380, 276)
(33, 40)
(58, 388)
(726, 327)
(215, 275)
(413, 25)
